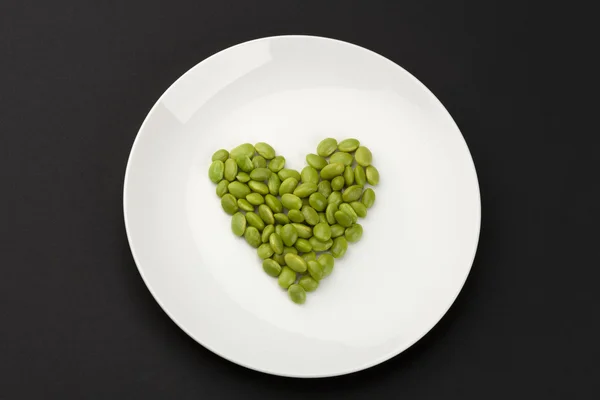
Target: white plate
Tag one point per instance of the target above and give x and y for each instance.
(292, 91)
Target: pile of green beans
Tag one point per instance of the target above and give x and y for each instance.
(299, 222)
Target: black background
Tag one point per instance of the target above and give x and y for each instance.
(77, 79)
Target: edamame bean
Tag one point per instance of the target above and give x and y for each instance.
(330, 213)
(245, 149)
(291, 201)
(331, 171)
(297, 293)
(258, 187)
(288, 186)
(342, 158)
(309, 256)
(338, 183)
(278, 229)
(315, 270)
(286, 277)
(347, 208)
(288, 173)
(303, 245)
(231, 169)
(318, 245)
(244, 163)
(266, 214)
(215, 171)
(295, 262)
(360, 177)
(252, 236)
(289, 234)
(264, 251)
(259, 162)
(255, 199)
(244, 205)
(305, 189)
(352, 193)
(337, 230)
(279, 258)
(322, 232)
(273, 203)
(363, 156)
(324, 187)
(220, 155)
(354, 233)
(302, 230)
(335, 198)
(238, 224)
(368, 198)
(287, 249)
(242, 176)
(348, 176)
(255, 221)
(277, 164)
(318, 201)
(266, 233)
(229, 204)
(276, 243)
(322, 217)
(372, 175)
(238, 189)
(327, 261)
(327, 147)
(222, 188)
(340, 245)
(265, 150)
(315, 161)
(348, 145)
(274, 184)
(309, 175)
(310, 215)
(271, 267)
(295, 216)
(308, 283)
(260, 174)
(359, 208)
(281, 218)
(343, 219)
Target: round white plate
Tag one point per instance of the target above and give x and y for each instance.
(389, 289)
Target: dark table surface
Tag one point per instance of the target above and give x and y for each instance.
(77, 79)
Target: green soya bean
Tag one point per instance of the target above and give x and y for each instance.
(242, 177)
(352, 193)
(309, 175)
(258, 187)
(260, 174)
(310, 215)
(244, 163)
(279, 258)
(277, 164)
(288, 173)
(363, 156)
(288, 186)
(291, 202)
(319, 245)
(238, 189)
(342, 158)
(220, 155)
(255, 221)
(324, 188)
(315, 270)
(348, 145)
(259, 162)
(359, 208)
(273, 203)
(278, 229)
(229, 204)
(289, 234)
(222, 188)
(265, 251)
(315, 161)
(231, 169)
(360, 177)
(295, 216)
(271, 267)
(266, 233)
(266, 214)
(331, 171)
(327, 147)
(335, 198)
(308, 283)
(252, 236)
(309, 256)
(318, 201)
(343, 219)
(244, 205)
(295, 262)
(274, 184)
(368, 198)
(338, 183)
(255, 199)
(330, 213)
(305, 202)
(327, 261)
(245, 149)
(281, 218)
(286, 277)
(303, 245)
(340, 245)
(215, 171)
(287, 249)
(303, 231)
(305, 189)
(323, 218)
(372, 175)
(348, 176)
(347, 208)
(322, 232)
(297, 293)
(354, 233)
(276, 243)
(265, 150)
(337, 230)
(238, 224)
